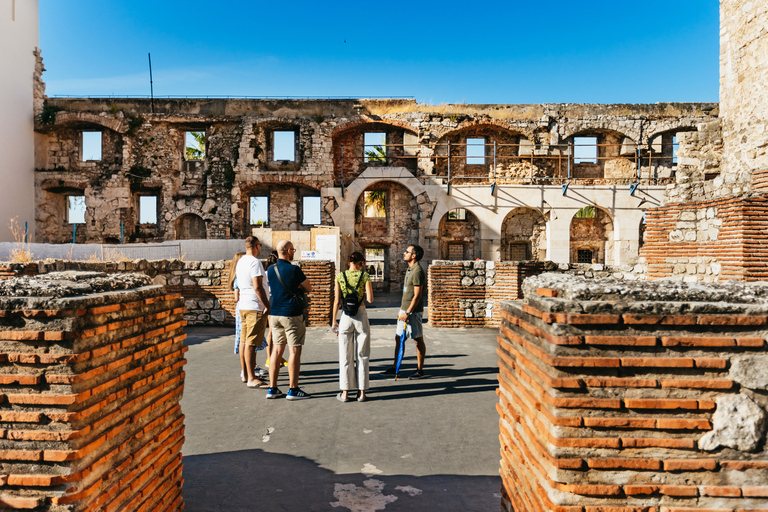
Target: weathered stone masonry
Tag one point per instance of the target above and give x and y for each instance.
(634, 397)
(91, 382)
(143, 154)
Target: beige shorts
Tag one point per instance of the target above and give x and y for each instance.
(288, 330)
(254, 325)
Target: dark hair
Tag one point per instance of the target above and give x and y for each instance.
(418, 252)
(356, 257)
(251, 242)
(272, 259)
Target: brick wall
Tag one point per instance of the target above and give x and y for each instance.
(633, 397)
(708, 241)
(468, 293)
(321, 274)
(91, 380)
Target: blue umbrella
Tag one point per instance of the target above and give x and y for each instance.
(401, 350)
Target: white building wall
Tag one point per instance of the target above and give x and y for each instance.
(19, 37)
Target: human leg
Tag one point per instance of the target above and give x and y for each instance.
(363, 349)
(346, 345)
(254, 325)
(278, 347)
(421, 354)
(294, 366)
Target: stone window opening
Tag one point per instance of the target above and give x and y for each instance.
(148, 209)
(259, 211)
(375, 262)
(310, 210)
(76, 209)
(475, 151)
(457, 214)
(375, 204)
(283, 146)
(584, 256)
(375, 147)
(675, 149)
(585, 150)
(194, 146)
(90, 146)
(519, 251)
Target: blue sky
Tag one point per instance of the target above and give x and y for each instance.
(437, 52)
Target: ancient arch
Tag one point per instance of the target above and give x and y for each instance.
(512, 146)
(190, 226)
(614, 154)
(524, 235)
(401, 148)
(459, 235)
(384, 222)
(592, 238)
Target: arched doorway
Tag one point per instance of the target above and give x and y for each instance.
(385, 226)
(190, 227)
(524, 235)
(459, 235)
(592, 236)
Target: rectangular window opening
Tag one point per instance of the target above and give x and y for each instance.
(585, 150)
(147, 209)
(375, 203)
(455, 252)
(194, 146)
(475, 151)
(76, 209)
(91, 146)
(584, 256)
(457, 214)
(310, 210)
(374, 260)
(284, 146)
(259, 211)
(519, 251)
(375, 147)
(675, 148)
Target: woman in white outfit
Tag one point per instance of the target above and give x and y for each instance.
(354, 330)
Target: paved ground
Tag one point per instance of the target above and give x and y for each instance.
(424, 445)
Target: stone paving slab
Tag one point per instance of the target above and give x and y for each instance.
(420, 445)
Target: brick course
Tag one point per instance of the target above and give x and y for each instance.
(92, 421)
(615, 425)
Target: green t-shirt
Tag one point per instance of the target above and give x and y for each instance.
(414, 276)
(356, 279)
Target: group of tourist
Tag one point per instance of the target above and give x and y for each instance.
(273, 297)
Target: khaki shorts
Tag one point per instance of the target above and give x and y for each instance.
(254, 325)
(288, 330)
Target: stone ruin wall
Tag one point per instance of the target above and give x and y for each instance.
(92, 375)
(743, 95)
(634, 397)
(203, 285)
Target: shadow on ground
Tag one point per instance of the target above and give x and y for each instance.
(255, 480)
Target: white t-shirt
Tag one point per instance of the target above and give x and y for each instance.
(247, 268)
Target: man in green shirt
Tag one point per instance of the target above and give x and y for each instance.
(411, 308)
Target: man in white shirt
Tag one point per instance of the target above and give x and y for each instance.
(254, 306)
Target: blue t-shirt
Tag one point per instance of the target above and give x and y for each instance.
(282, 301)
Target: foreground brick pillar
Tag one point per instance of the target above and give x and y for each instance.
(634, 397)
(321, 274)
(91, 374)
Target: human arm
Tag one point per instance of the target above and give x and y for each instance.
(261, 293)
(237, 295)
(369, 292)
(336, 303)
(306, 286)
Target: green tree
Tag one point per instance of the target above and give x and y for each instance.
(588, 212)
(375, 203)
(195, 149)
(377, 154)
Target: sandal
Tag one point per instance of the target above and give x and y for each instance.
(257, 383)
(361, 397)
(340, 398)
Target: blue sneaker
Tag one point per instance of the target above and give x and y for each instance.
(297, 394)
(275, 393)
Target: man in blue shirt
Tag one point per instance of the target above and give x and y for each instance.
(286, 320)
